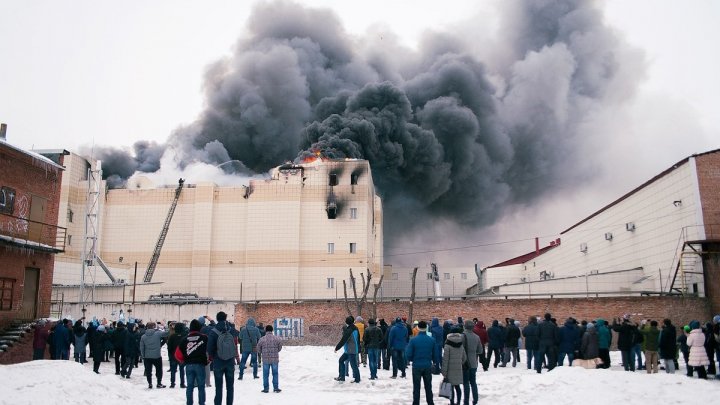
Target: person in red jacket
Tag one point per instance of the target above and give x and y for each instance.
(40, 339)
(192, 352)
(480, 330)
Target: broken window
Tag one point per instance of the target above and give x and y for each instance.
(354, 179)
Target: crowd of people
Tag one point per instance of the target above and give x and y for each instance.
(196, 351)
(457, 349)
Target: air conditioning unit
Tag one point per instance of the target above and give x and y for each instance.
(121, 281)
(583, 247)
(594, 271)
(608, 236)
(630, 226)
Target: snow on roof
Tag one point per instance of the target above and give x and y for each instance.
(28, 243)
(38, 158)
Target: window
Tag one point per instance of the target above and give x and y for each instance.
(331, 248)
(70, 215)
(353, 179)
(353, 247)
(333, 179)
(446, 276)
(330, 282)
(393, 276)
(69, 237)
(429, 276)
(463, 276)
(7, 286)
(353, 213)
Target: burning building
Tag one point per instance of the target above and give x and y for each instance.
(292, 236)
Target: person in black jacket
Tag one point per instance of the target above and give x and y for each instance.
(97, 346)
(192, 352)
(131, 349)
(668, 346)
(626, 336)
(512, 334)
(118, 341)
(547, 339)
(373, 339)
(496, 340)
(384, 359)
(531, 333)
(172, 345)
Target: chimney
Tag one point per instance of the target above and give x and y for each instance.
(3, 131)
(537, 246)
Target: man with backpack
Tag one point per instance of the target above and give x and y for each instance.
(249, 336)
(222, 352)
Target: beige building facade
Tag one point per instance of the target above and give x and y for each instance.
(293, 236)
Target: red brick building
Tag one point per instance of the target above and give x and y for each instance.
(29, 235)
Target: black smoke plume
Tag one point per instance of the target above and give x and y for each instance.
(451, 137)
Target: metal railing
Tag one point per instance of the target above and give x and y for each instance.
(31, 234)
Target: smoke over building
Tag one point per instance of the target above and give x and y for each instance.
(454, 132)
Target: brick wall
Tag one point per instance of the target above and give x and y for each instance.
(323, 321)
(708, 172)
(29, 177)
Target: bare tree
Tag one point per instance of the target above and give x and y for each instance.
(377, 287)
(359, 301)
(412, 294)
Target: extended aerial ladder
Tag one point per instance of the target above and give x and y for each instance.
(163, 233)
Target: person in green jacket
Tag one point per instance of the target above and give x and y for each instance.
(652, 338)
(604, 341)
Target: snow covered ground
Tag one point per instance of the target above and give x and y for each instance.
(306, 377)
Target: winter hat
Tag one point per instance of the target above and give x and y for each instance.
(358, 319)
(349, 320)
(686, 328)
(371, 321)
(179, 327)
(201, 319)
(469, 324)
(590, 325)
(398, 319)
(716, 319)
(422, 325)
(517, 323)
(101, 328)
(694, 325)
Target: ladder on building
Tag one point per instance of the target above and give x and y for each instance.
(690, 256)
(163, 233)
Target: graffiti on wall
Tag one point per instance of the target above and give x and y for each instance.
(288, 328)
(7, 200)
(21, 207)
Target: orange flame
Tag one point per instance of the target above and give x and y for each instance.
(316, 155)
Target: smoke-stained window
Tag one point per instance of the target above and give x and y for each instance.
(353, 247)
(331, 248)
(354, 179)
(333, 179)
(353, 213)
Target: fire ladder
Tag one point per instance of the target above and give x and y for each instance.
(163, 233)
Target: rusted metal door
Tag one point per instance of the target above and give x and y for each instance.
(30, 294)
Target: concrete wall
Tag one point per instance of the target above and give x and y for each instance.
(322, 322)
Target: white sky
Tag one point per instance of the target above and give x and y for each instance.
(80, 72)
(306, 377)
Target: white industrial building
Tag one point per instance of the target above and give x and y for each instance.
(660, 238)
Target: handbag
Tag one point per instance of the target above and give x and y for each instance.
(445, 389)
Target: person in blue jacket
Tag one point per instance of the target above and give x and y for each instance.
(397, 341)
(420, 351)
(496, 342)
(222, 369)
(569, 340)
(350, 342)
(438, 334)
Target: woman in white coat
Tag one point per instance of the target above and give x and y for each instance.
(698, 356)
